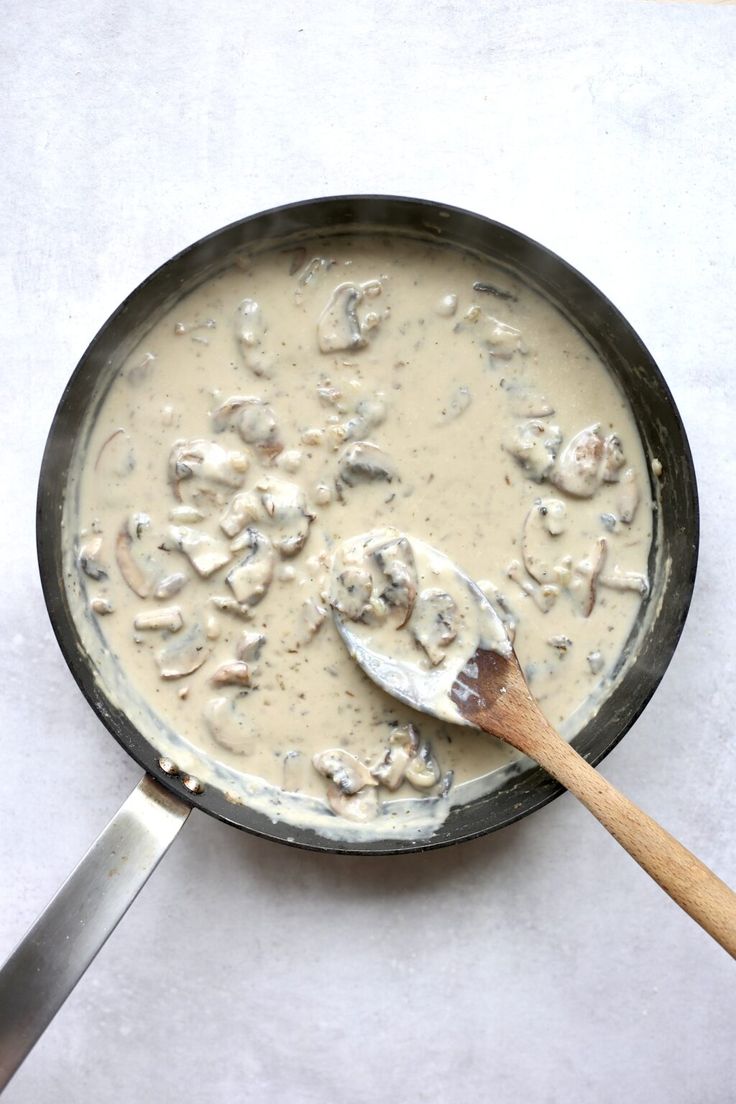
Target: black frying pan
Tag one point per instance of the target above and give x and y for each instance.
(35, 982)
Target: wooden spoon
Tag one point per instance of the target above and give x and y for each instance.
(490, 692)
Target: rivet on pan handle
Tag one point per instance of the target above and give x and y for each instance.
(49, 961)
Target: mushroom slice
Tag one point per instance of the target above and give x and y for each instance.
(205, 554)
(183, 655)
(579, 467)
(403, 745)
(310, 619)
(625, 580)
(248, 648)
(170, 585)
(434, 623)
(131, 571)
(396, 561)
(364, 462)
(227, 726)
(88, 561)
(339, 327)
(544, 523)
(251, 577)
(245, 508)
(350, 592)
(613, 458)
(287, 515)
(584, 583)
(232, 674)
(360, 807)
(257, 424)
(534, 446)
(628, 496)
(346, 771)
(223, 414)
(423, 770)
(168, 619)
(206, 460)
(250, 334)
(369, 413)
(544, 596)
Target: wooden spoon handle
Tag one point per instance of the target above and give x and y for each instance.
(687, 880)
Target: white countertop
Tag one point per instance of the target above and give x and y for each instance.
(539, 964)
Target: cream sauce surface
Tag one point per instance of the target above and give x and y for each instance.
(297, 399)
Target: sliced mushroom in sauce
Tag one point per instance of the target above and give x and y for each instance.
(359, 807)
(579, 467)
(136, 577)
(340, 329)
(287, 514)
(584, 582)
(206, 460)
(396, 561)
(252, 575)
(351, 592)
(236, 673)
(228, 726)
(403, 745)
(434, 623)
(422, 770)
(167, 619)
(251, 333)
(184, 654)
(534, 446)
(249, 645)
(364, 462)
(345, 770)
(89, 559)
(205, 554)
(541, 551)
(628, 496)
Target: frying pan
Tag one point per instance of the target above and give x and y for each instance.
(52, 957)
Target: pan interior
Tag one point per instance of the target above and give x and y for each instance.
(523, 787)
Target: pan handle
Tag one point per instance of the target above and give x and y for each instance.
(49, 961)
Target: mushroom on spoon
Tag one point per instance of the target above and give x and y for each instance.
(426, 634)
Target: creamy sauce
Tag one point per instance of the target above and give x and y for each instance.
(293, 401)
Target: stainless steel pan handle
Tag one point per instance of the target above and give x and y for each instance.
(49, 961)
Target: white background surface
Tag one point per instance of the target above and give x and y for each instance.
(537, 965)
